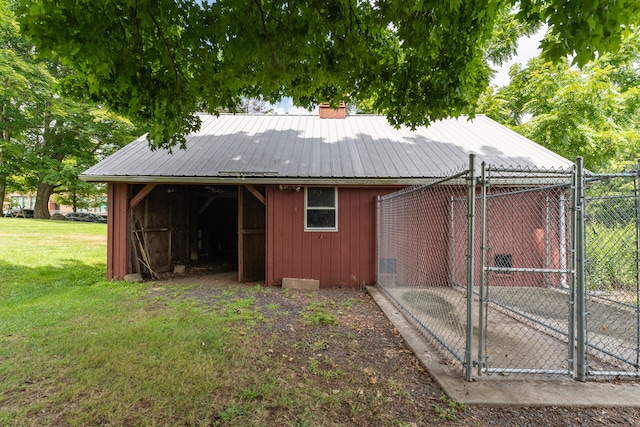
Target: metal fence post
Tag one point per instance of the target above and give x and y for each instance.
(483, 242)
(579, 230)
(471, 187)
(378, 233)
(637, 195)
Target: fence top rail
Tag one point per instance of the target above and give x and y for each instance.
(603, 176)
(529, 170)
(530, 189)
(614, 197)
(527, 177)
(437, 181)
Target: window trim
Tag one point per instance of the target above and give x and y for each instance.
(334, 208)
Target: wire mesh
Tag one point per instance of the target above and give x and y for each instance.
(526, 285)
(527, 272)
(420, 247)
(612, 284)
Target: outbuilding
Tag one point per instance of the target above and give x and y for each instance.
(283, 196)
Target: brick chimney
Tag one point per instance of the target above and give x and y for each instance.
(326, 112)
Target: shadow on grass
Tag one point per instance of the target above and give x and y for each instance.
(42, 295)
(36, 280)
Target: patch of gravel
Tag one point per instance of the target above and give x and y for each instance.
(364, 340)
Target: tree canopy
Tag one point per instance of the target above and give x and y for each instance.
(592, 112)
(162, 60)
(46, 139)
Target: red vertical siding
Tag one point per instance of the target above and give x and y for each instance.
(117, 227)
(516, 226)
(343, 258)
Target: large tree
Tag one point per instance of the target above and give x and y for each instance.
(592, 112)
(24, 80)
(69, 137)
(100, 133)
(417, 61)
(46, 139)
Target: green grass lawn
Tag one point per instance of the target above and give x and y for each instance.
(76, 349)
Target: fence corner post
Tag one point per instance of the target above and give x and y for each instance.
(378, 233)
(471, 187)
(580, 285)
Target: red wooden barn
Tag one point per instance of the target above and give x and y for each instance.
(279, 196)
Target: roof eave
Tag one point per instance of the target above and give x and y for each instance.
(198, 180)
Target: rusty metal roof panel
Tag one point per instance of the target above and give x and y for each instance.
(359, 146)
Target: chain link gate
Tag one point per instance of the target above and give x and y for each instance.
(525, 290)
(519, 271)
(612, 275)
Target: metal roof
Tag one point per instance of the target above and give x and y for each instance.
(357, 149)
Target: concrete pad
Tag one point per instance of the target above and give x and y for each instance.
(134, 278)
(304, 284)
(514, 390)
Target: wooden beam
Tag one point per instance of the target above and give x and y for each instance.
(206, 204)
(141, 195)
(256, 193)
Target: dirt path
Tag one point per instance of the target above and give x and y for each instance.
(361, 342)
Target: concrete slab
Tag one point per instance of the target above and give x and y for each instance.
(495, 390)
(133, 278)
(303, 284)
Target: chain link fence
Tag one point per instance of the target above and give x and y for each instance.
(612, 307)
(519, 271)
(525, 287)
(416, 258)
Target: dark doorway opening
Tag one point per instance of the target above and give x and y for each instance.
(201, 228)
(215, 227)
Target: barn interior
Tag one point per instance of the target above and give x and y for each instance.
(195, 226)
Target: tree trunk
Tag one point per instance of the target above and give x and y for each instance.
(3, 191)
(5, 138)
(41, 210)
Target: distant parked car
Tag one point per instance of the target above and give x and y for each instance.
(17, 212)
(85, 217)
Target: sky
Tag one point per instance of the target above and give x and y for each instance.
(527, 49)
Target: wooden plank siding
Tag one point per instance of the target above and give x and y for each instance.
(117, 231)
(344, 258)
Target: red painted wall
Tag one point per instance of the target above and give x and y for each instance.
(346, 258)
(418, 244)
(526, 226)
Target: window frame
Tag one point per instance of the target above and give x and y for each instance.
(333, 208)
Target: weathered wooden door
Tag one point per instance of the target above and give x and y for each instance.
(251, 233)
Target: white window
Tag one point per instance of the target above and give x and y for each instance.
(320, 209)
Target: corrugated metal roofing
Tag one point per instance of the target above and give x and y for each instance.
(289, 148)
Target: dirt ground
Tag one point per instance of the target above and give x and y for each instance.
(364, 340)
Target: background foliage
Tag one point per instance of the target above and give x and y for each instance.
(162, 60)
(47, 139)
(593, 111)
